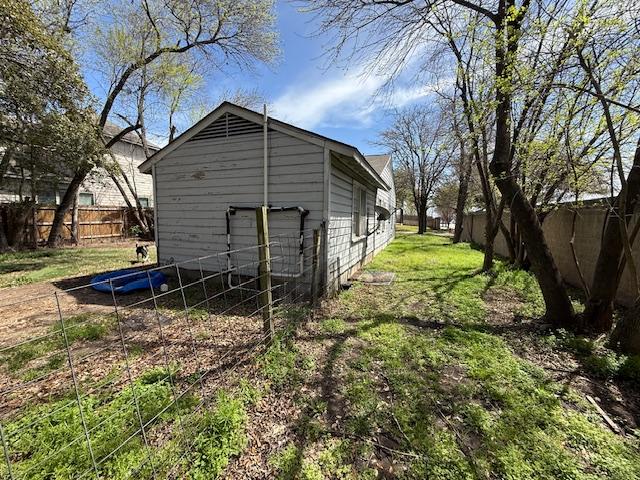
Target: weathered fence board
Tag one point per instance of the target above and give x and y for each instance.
(95, 222)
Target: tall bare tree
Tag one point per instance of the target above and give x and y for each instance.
(141, 34)
(397, 29)
(419, 146)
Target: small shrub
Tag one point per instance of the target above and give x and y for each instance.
(630, 368)
(575, 343)
(135, 231)
(603, 365)
(287, 462)
(157, 375)
(333, 325)
(55, 427)
(278, 363)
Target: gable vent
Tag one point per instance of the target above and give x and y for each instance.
(226, 126)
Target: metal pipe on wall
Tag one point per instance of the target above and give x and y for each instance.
(231, 210)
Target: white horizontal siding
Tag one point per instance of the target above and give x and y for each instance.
(198, 181)
(104, 191)
(346, 255)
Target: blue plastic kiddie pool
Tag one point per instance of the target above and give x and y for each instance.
(128, 280)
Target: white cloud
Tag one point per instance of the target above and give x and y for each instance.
(342, 98)
(313, 102)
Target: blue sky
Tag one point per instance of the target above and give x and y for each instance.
(336, 102)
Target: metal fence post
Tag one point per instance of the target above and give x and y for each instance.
(314, 267)
(264, 271)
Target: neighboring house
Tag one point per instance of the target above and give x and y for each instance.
(219, 163)
(98, 188)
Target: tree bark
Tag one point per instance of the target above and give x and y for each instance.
(559, 309)
(461, 201)
(75, 236)
(55, 235)
(626, 336)
(422, 221)
(598, 313)
(487, 263)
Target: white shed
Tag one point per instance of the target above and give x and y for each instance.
(209, 179)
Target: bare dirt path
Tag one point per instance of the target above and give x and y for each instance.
(30, 310)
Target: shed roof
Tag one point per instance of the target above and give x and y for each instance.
(227, 107)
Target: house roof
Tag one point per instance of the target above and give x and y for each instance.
(111, 130)
(378, 162)
(227, 107)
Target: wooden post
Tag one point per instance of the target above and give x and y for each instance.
(314, 267)
(34, 226)
(264, 271)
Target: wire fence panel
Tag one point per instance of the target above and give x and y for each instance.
(108, 385)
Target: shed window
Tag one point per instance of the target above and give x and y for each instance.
(86, 199)
(144, 202)
(359, 221)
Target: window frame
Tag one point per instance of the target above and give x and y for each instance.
(52, 199)
(359, 218)
(93, 199)
(146, 199)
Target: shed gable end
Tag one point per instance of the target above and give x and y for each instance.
(228, 125)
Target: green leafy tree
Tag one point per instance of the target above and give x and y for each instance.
(46, 123)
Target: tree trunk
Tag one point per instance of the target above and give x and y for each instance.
(75, 236)
(507, 238)
(559, 309)
(137, 211)
(558, 305)
(626, 336)
(489, 238)
(421, 210)
(4, 244)
(19, 222)
(598, 313)
(55, 235)
(34, 225)
(461, 201)
(421, 227)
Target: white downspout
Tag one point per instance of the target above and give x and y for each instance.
(265, 201)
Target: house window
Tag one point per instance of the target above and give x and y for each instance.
(86, 199)
(48, 197)
(144, 202)
(359, 221)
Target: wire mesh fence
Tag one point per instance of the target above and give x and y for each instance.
(104, 385)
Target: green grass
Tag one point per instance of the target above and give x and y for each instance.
(48, 442)
(26, 267)
(43, 430)
(418, 363)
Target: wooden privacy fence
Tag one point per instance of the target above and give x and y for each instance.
(94, 223)
(432, 222)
